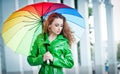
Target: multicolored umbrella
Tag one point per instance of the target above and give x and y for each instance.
(22, 26)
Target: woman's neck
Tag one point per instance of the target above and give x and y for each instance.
(52, 37)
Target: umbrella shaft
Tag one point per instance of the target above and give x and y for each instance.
(48, 61)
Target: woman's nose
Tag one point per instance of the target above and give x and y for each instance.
(59, 28)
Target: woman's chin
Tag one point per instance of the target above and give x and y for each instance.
(58, 33)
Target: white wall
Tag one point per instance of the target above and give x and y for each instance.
(12, 60)
(116, 18)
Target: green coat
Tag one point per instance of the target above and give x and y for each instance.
(60, 50)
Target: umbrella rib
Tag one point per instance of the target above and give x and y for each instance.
(31, 24)
(27, 16)
(76, 23)
(25, 34)
(49, 9)
(28, 21)
(57, 8)
(20, 42)
(34, 15)
(21, 28)
(34, 34)
(28, 25)
(20, 22)
(22, 16)
(32, 27)
(70, 14)
(30, 17)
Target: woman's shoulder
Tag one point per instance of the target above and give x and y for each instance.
(63, 41)
(40, 36)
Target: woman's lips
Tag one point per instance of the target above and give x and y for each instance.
(58, 31)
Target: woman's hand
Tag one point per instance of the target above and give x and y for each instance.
(48, 56)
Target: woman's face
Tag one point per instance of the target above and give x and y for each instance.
(56, 26)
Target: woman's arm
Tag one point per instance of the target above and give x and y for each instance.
(35, 58)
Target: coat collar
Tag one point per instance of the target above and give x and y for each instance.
(59, 37)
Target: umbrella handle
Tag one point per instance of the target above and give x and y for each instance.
(48, 61)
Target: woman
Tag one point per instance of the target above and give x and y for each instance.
(54, 46)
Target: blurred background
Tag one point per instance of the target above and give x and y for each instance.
(97, 52)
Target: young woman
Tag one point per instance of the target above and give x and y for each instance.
(54, 46)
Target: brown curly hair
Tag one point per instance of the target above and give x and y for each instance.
(66, 32)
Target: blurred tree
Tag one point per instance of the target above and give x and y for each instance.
(92, 53)
(90, 32)
(78, 49)
(118, 52)
(90, 11)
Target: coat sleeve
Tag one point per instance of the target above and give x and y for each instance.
(35, 58)
(66, 61)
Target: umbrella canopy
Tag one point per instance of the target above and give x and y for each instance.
(22, 26)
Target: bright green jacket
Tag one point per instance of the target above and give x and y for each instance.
(60, 50)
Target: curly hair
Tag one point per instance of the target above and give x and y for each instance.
(66, 31)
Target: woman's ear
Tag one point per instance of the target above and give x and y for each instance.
(49, 28)
(44, 22)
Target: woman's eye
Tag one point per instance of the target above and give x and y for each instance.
(56, 25)
(61, 25)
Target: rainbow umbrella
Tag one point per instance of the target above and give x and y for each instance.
(22, 26)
